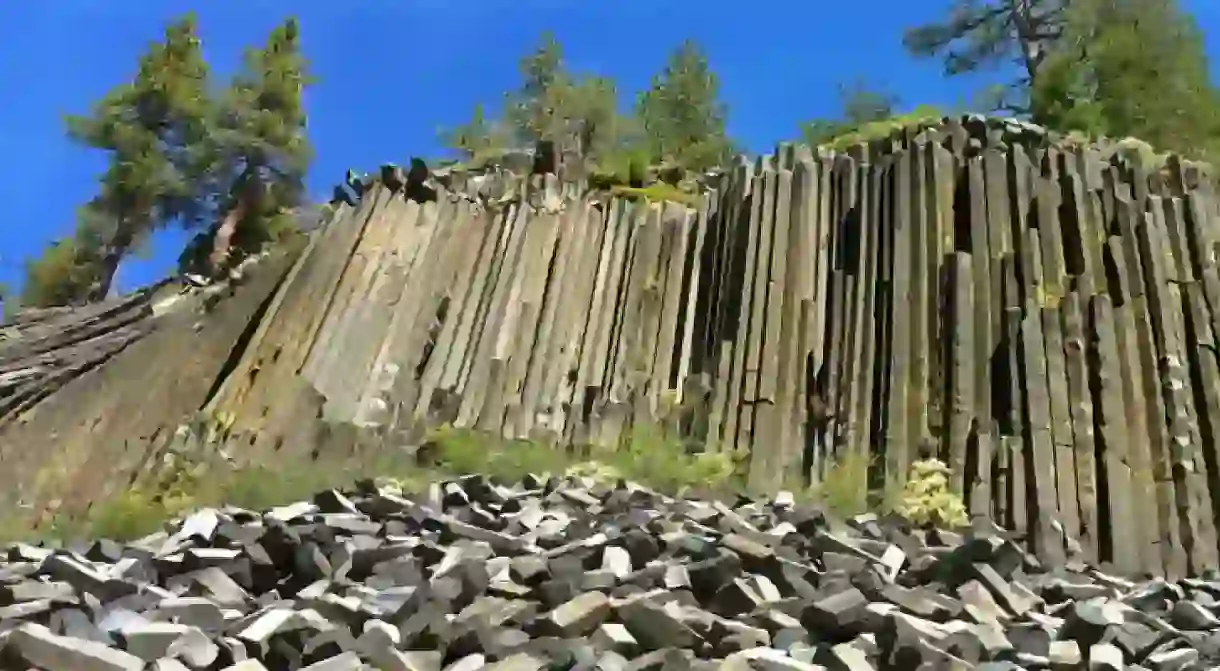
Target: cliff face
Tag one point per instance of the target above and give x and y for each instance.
(1044, 317)
(88, 397)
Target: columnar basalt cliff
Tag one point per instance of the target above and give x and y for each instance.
(1042, 315)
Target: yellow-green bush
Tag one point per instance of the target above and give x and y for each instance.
(927, 499)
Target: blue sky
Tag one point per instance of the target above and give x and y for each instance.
(391, 72)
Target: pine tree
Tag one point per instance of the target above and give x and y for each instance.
(153, 128)
(592, 122)
(259, 149)
(577, 113)
(1134, 68)
(978, 34)
(535, 110)
(473, 138)
(681, 113)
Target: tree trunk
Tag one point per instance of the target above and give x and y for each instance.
(109, 265)
(222, 241)
(246, 191)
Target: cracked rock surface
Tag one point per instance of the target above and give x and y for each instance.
(573, 574)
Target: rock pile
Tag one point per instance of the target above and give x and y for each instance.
(572, 573)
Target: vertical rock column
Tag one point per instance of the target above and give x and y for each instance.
(1130, 320)
(738, 371)
(439, 378)
(905, 297)
(600, 312)
(985, 243)
(482, 395)
(775, 329)
(1039, 447)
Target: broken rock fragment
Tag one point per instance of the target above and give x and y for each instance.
(573, 573)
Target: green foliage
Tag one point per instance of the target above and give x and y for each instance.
(679, 119)
(590, 108)
(882, 128)
(187, 478)
(861, 105)
(682, 115)
(465, 451)
(927, 499)
(1132, 68)
(534, 111)
(979, 34)
(478, 137)
(627, 165)
(664, 463)
(1062, 98)
(152, 127)
(656, 193)
(597, 471)
(179, 154)
(258, 151)
(261, 487)
(65, 274)
(578, 113)
(1119, 68)
(259, 134)
(845, 488)
(647, 456)
(924, 499)
(1138, 152)
(132, 514)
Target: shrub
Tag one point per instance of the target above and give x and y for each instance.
(187, 479)
(624, 167)
(647, 456)
(664, 463)
(132, 514)
(844, 489)
(462, 451)
(878, 130)
(656, 193)
(927, 499)
(842, 135)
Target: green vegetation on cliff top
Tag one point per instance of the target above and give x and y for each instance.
(228, 161)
